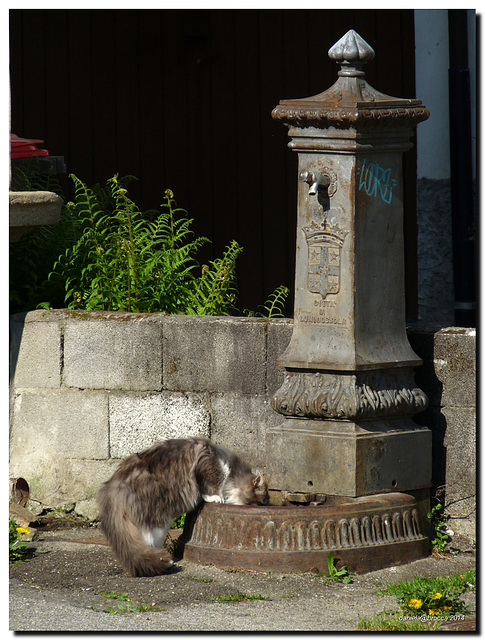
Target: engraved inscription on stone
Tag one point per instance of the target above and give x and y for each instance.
(320, 319)
(323, 269)
(324, 244)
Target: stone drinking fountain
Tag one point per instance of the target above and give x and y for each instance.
(349, 469)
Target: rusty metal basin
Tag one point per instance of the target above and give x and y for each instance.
(365, 534)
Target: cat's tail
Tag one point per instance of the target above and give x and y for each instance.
(125, 538)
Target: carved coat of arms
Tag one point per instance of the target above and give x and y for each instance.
(324, 245)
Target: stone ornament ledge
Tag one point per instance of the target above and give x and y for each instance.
(29, 209)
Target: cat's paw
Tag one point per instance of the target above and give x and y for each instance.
(215, 498)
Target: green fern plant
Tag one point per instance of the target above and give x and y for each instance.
(31, 261)
(216, 287)
(168, 260)
(105, 254)
(274, 307)
(34, 174)
(125, 260)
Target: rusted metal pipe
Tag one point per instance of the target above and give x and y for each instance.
(19, 491)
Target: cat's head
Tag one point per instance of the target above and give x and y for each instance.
(256, 491)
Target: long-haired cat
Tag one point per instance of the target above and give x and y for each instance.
(149, 489)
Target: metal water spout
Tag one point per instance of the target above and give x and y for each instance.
(349, 394)
(315, 181)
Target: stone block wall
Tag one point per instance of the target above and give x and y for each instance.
(89, 388)
(448, 377)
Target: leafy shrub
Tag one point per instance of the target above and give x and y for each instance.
(179, 521)
(239, 597)
(393, 621)
(31, 261)
(105, 254)
(18, 550)
(438, 521)
(425, 603)
(34, 174)
(125, 261)
(337, 575)
(274, 306)
(433, 596)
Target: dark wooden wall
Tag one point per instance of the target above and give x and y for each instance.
(182, 99)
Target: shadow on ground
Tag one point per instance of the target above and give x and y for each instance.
(73, 566)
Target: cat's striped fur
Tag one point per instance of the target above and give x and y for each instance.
(149, 489)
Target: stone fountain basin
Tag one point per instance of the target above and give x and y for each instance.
(366, 534)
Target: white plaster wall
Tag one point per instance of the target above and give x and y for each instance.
(435, 250)
(432, 62)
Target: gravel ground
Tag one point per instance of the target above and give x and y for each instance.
(59, 591)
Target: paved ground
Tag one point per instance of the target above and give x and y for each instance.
(59, 591)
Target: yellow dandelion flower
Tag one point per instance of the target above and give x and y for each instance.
(437, 596)
(445, 608)
(23, 530)
(433, 612)
(416, 603)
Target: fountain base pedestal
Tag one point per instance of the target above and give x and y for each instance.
(349, 458)
(366, 534)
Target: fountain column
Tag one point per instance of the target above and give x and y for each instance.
(349, 397)
(349, 394)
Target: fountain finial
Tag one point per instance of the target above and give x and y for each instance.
(351, 52)
(351, 101)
